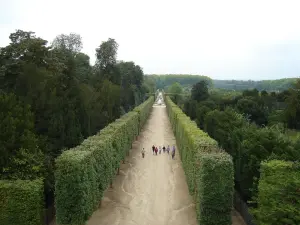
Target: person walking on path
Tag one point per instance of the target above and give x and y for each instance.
(153, 149)
(143, 152)
(173, 152)
(168, 149)
(156, 150)
(159, 149)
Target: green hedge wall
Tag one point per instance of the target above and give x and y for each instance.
(21, 202)
(144, 110)
(278, 193)
(209, 171)
(84, 172)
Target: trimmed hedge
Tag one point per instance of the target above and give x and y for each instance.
(143, 110)
(209, 171)
(21, 202)
(278, 193)
(84, 172)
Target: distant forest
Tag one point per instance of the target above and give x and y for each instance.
(163, 81)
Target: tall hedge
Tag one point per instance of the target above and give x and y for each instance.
(143, 110)
(21, 202)
(84, 172)
(278, 193)
(209, 171)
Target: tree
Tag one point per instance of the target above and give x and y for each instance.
(249, 107)
(71, 42)
(23, 62)
(176, 90)
(200, 91)
(292, 110)
(19, 150)
(251, 93)
(106, 61)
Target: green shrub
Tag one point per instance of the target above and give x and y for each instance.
(209, 172)
(21, 202)
(84, 172)
(278, 194)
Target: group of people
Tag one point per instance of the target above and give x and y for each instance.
(160, 149)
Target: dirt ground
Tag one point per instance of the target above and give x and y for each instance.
(150, 190)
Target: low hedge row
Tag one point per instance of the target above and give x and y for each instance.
(278, 193)
(84, 172)
(21, 202)
(209, 171)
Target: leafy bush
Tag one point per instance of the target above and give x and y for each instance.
(21, 202)
(278, 193)
(84, 172)
(209, 171)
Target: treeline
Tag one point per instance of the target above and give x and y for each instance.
(252, 128)
(51, 99)
(267, 85)
(187, 81)
(163, 81)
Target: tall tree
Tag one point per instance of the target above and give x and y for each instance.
(71, 42)
(106, 61)
(200, 91)
(292, 110)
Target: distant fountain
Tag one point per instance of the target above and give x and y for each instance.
(159, 99)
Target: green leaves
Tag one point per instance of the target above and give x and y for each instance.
(209, 172)
(84, 172)
(21, 202)
(278, 194)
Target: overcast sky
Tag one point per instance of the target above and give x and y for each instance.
(232, 39)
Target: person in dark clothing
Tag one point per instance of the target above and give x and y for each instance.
(164, 149)
(156, 150)
(153, 149)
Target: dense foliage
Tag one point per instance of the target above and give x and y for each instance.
(51, 99)
(84, 172)
(268, 85)
(164, 80)
(21, 202)
(209, 171)
(279, 193)
(252, 127)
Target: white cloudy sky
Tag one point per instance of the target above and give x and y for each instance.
(232, 39)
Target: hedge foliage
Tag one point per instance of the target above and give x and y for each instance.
(278, 193)
(209, 171)
(84, 172)
(143, 110)
(21, 202)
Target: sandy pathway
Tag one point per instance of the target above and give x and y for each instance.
(149, 191)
